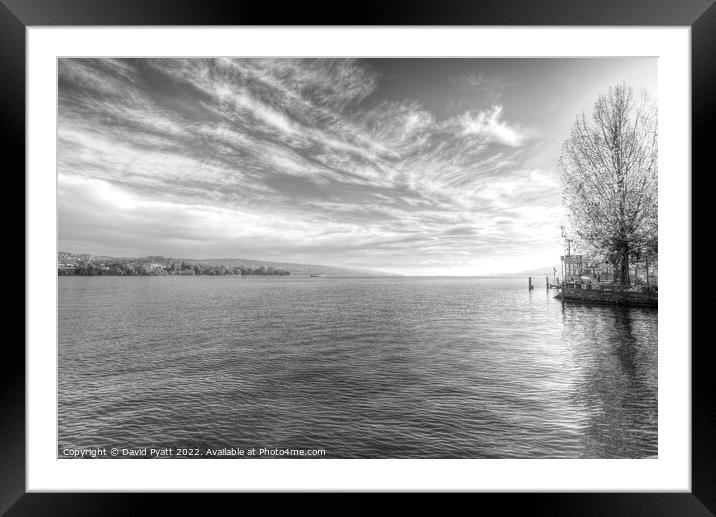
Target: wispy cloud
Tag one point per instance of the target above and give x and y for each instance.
(289, 159)
(489, 126)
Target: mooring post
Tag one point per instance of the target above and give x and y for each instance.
(546, 282)
(529, 279)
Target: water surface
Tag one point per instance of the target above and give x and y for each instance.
(360, 367)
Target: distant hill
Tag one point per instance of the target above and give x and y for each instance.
(536, 272)
(64, 257)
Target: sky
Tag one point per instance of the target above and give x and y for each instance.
(407, 166)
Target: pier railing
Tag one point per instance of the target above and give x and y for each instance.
(593, 285)
(597, 286)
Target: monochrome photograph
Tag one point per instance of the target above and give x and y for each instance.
(357, 258)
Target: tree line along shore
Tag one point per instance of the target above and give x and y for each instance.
(161, 269)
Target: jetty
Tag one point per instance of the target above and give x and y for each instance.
(626, 295)
(589, 281)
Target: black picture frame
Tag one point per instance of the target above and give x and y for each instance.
(700, 15)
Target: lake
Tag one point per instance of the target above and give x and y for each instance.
(376, 367)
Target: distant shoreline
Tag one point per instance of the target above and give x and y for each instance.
(391, 276)
(73, 264)
(84, 264)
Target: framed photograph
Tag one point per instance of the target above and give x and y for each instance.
(407, 252)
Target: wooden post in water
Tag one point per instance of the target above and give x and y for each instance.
(546, 281)
(529, 279)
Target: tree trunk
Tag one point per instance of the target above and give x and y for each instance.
(624, 259)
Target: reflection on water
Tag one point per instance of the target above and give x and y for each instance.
(616, 381)
(369, 367)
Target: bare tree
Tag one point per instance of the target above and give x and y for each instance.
(609, 176)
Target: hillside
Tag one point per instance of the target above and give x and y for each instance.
(293, 268)
(536, 272)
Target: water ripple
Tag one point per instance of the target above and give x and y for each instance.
(363, 368)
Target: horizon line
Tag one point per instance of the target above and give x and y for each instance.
(354, 268)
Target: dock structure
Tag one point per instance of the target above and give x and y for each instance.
(547, 284)
(614, 295)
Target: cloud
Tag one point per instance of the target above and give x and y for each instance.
(489, 126)
(285, 159)
(472, 81)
